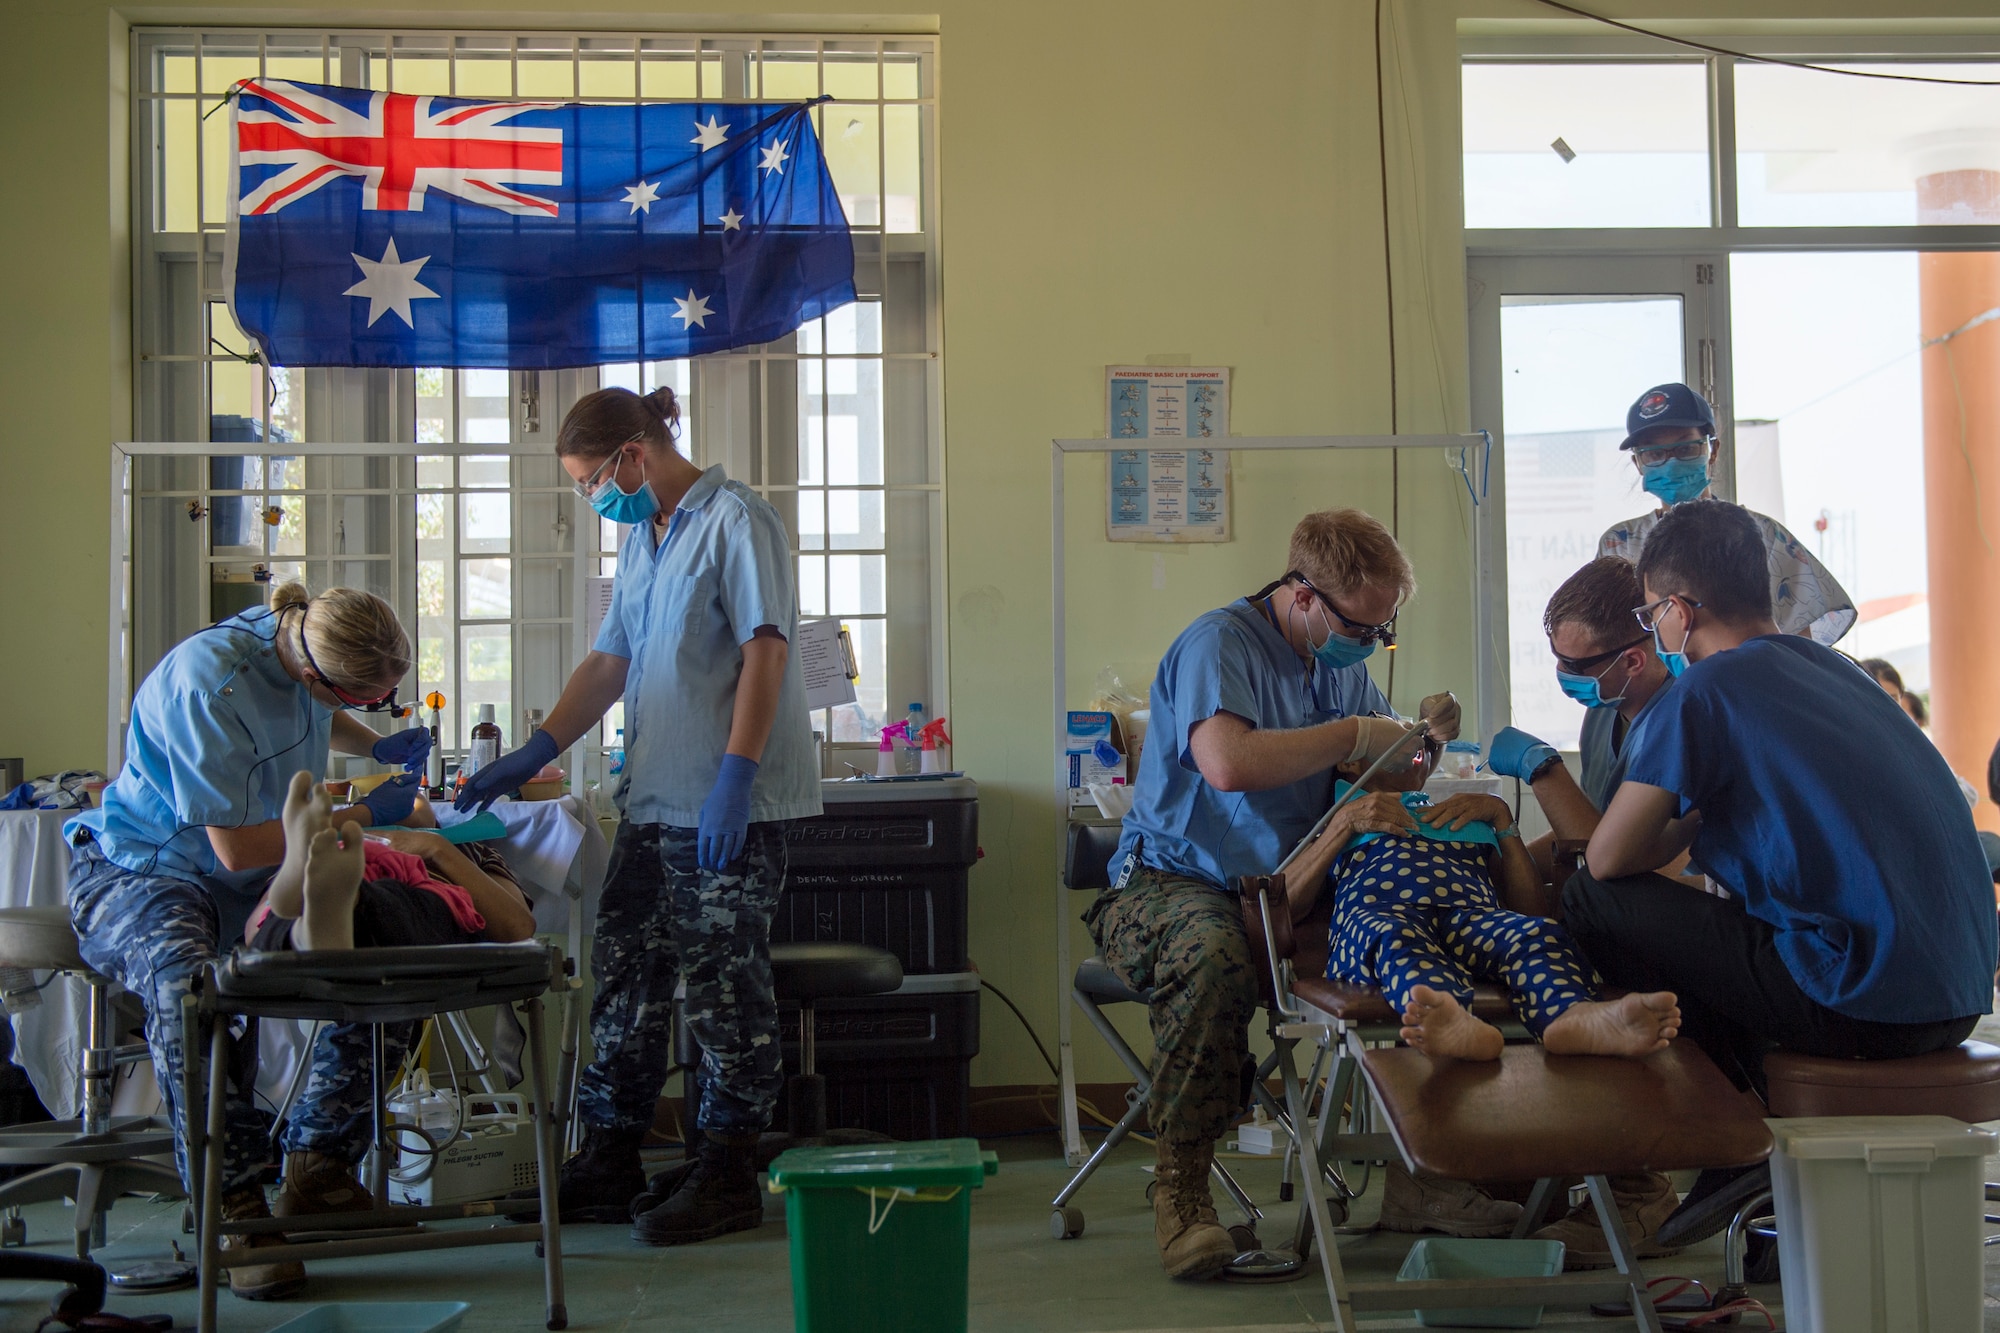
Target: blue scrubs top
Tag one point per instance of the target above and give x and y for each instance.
(1232, 660)
(1837, 823)
(1603, 747)
(217, 731)
(681, 609)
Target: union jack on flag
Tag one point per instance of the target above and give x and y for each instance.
(399, 229)
(400, 146)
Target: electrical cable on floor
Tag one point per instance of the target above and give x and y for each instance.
(1027, 1026)
(1756, 59)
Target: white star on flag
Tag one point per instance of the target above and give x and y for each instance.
(710, 135)
(774, 158)
(642, 196)
(693, 312)
(732, 220)
(391, 284)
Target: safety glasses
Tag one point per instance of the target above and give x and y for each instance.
(1648, 615)
(588, 487)
(1384, 633)
(381, 703)
(1654, 455)
(1581, 666)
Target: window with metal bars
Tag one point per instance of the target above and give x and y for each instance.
(465, 522)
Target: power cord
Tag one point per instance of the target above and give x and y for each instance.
(1026, 1026)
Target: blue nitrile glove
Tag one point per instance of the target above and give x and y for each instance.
(392, 802)
(408, 747)
(725, 815)
(507, 773)
(1516, 754)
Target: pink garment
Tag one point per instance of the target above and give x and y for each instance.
(379, 861)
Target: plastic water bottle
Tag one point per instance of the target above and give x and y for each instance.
(913, 726)
(618, 753)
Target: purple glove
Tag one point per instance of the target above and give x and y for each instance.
(408, 747)
(725, 815)
(392, 802)
(507, 773)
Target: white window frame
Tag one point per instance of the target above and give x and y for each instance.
(338, 421)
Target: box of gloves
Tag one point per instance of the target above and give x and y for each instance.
(1092, 754)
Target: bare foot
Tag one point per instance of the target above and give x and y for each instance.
(308, 810)
(333, 882)
(1437, 1024)
(1630, 1025)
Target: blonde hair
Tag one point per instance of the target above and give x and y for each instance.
(1344, 550)
(354, 635)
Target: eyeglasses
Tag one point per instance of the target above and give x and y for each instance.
(1656, 454)
(1645, 614)
(588, 487)
(1384, 633)
(384, 702)
(1579, 666)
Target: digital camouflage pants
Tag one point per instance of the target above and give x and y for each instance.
(1183, 940)
(663, 919)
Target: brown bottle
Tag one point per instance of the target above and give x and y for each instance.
(486, 741)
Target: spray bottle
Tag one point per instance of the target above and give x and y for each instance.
(929, 736)
(885, 758)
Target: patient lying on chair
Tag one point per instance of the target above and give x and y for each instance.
(345, 888)
(1429, 899)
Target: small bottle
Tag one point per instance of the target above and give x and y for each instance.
(531, 724)
(933, 733)
(618, 753)
(913, 725)
(486, 741)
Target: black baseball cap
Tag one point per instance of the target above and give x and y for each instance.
(1668, 405)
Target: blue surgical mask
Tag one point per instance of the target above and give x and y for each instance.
(1677, 480)
(1586, 689)
(1337, 653)
(622, 506)
(1675, 663)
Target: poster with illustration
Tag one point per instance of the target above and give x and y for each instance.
(1168, 495)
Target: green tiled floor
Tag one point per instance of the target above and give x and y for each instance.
(1109, 1280)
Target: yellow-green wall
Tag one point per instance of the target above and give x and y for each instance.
(1121, 180)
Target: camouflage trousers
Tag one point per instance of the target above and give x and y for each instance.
(663, 919)
(1183, 940)
(151, 934)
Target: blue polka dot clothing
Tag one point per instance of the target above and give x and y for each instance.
(1410, 911)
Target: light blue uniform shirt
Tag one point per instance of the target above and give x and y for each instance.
(217, 731)
(681, 609)
(1232, 660)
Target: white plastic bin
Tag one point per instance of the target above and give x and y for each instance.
(1879, 1222)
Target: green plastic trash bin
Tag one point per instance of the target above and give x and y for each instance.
(880, 1234)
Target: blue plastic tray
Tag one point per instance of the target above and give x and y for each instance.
(379, 1317)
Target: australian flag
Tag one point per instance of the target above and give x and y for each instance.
(395, 229)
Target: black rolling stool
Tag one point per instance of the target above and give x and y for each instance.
(804, 974)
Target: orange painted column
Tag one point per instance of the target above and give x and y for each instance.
(1961, 378)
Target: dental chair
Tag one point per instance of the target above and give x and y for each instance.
(1528, 1116)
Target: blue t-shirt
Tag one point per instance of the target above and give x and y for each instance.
(1837, 823)
(1603, 748)
(1232, 660)
(217, 731)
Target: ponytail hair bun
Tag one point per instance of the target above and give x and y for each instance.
(601, 422)
(286, 596)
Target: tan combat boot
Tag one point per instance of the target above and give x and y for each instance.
(258, 1282)
(1644, 1198)
(1192, 1241)
(316, 1184)
(1453, 1207)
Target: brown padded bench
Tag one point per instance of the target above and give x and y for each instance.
(1963, 1083)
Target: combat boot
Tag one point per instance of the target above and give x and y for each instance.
(316, 1184)
(1645, 1199)
(1191, 1239)
(718, 1196)
(1453, 1207)
(596, 1185)
(258, 1282)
